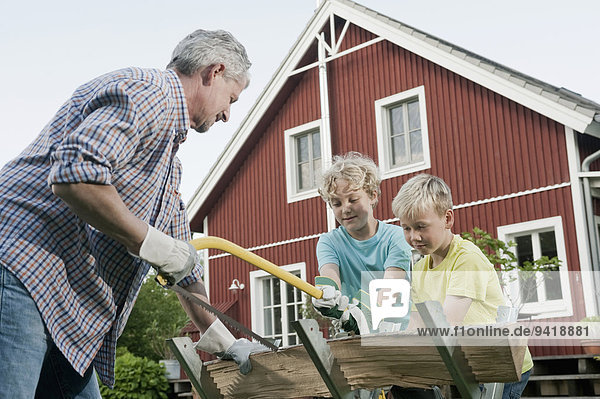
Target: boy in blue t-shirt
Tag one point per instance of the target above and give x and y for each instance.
(362, 248)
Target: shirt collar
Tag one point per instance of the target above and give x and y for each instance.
(181, 117)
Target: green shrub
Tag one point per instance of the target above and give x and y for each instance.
(501, 254)
(137, 378)
(156, 317)
(591, 319)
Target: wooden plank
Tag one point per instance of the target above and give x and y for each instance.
(288, 373)
(369, 362)
(183, 349)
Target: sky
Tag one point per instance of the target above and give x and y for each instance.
(49, 48)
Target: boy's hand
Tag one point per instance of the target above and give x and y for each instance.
(329, 298)
(389, 326)
(353, 319)
(332, 304)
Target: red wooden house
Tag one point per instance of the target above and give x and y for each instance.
(514, 150)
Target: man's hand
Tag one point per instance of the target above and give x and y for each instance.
(240, 352)
(218, 340)
(173, 259)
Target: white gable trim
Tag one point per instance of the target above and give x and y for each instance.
(255, 276)
(585, 262)
(457, 62)
(393, 220)
(402, 36)
(545, 308)
(259, 108)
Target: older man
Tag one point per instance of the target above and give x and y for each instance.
(92, 204)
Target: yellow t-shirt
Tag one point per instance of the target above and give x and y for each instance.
(465, 271)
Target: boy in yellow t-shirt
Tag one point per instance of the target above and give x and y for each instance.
(453, 271)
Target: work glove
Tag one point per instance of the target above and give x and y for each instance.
(332, 304)
(390, 326)
(353, 319)
(218, 341)
(173, 259)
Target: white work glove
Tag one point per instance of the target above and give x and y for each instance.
(217, 340)
(173, 259)
(332, 303)
(353, 319)
(389, 326)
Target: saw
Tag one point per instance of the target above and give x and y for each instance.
(234, 249)
(220, 315)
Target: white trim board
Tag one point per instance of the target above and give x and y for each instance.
(551, 308)
(427, 47)
(256, 318)
(465, 205)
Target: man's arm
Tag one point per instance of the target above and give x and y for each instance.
(201, 318)
(101, 207)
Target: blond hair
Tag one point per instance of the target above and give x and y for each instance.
(357, 169)
(420, 193)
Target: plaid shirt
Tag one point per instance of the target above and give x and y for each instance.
(123, 129)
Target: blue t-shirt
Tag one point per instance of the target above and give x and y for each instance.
(386, 248)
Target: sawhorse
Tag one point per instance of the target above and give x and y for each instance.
(320, 354)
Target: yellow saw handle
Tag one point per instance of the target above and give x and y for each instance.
(262, 263)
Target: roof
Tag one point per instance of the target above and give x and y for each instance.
(560, 104)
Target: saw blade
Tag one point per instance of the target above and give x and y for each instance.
(222, 316)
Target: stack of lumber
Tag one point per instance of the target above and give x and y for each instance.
(369, 362)
(288, 373)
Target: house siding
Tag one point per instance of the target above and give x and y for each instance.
(253, 209)
(484, 145)
(225, 269)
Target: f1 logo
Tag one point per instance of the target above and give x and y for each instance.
(389, 298)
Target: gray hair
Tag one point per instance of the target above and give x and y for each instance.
(420, 193)
(358, 170)
(203, 48)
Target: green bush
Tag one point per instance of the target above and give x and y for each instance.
(501, 254)
(156, 317)
(137, 378)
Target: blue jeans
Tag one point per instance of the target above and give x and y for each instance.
(31, 365)
(513, 390)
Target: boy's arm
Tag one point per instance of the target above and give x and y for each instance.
(456, 308)
(332, 271)
(414, 321)
(394, 272)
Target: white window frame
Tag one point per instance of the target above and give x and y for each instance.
(382, 107)
(256, 302)
(291, 171)
(545, 308)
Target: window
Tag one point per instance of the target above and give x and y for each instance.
(545, 294)
(303, 160)
(308, 160)
(276, 304)
(402, 137)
